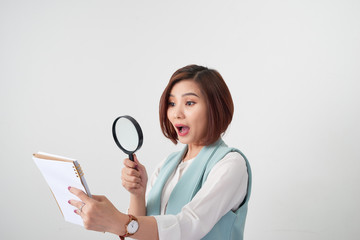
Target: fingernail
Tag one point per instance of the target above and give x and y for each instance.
(69, 202)
(75, 211)
(69, 188)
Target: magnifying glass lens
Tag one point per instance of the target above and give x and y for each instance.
(126, 134)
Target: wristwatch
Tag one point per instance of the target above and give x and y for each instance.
(131, 227)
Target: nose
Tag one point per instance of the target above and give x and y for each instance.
(178, 112)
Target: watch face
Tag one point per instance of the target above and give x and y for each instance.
(132, 227)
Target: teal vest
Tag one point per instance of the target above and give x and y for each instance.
(231, 225)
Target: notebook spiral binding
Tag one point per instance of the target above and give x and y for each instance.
(78, 171)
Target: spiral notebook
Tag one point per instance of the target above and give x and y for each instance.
(60, 173)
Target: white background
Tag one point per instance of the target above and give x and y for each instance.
(69, 68)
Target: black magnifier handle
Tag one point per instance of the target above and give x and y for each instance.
(131, 157)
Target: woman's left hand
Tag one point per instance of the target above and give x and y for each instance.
(98, 213)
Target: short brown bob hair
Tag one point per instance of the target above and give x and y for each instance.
(220, 107)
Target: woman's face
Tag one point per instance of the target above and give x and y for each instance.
(187, 111)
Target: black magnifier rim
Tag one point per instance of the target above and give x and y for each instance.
(138, 130)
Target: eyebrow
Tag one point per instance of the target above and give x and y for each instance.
(186, 94)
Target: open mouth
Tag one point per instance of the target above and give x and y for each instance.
(182, 130)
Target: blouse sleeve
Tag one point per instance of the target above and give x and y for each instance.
(224, 190)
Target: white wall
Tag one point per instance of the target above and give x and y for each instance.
(68, 68)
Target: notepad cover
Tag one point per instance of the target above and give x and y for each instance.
(60, 173)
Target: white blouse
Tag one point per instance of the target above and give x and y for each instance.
(224, 190)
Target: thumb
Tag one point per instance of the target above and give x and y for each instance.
(136, 159)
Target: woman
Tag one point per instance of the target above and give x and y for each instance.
(200, 192)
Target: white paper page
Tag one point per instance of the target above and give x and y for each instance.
(59, 176)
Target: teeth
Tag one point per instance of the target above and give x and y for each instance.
(182, 129)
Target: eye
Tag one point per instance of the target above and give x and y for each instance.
(171, 104)
(190, 103)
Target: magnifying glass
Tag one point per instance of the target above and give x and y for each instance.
(127, 135)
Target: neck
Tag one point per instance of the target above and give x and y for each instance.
(192, 151)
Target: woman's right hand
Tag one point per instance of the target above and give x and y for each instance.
(134, 177)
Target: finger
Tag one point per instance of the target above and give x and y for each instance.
(77, 211)
(76, 203)
(131, 179)
(80, 194)
(132, 172)
(130, 164)
(131, 185)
